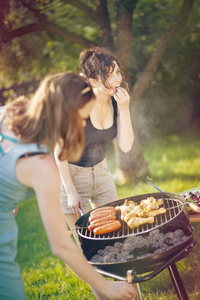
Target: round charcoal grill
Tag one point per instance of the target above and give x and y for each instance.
(176, 217)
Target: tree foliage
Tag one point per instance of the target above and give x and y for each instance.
(64, 27)
(150, 37)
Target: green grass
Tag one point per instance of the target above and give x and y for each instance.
(174, 166)
(44, 275)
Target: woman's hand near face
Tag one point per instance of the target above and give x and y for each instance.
(123, 100)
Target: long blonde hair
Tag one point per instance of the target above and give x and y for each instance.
(52, 115)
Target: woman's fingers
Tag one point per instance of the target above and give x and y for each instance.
(121, 95)
(122, 290)
(76, 210)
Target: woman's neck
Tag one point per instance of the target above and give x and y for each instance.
(102, 99)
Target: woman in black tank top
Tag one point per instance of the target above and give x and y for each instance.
(109, 119)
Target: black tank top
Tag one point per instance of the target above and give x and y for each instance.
(96, 141)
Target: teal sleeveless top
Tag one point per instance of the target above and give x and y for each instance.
(12, 192)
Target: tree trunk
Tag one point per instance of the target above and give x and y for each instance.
(132, 164)
(4, 8)
(125, 34)
(105, 31)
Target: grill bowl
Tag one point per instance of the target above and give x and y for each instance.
(178, 220)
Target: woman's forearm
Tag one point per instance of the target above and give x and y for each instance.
(125, 134)
(75, 260)
(63, 167)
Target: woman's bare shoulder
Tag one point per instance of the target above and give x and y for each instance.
(36, 168)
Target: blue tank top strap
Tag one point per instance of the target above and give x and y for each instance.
(9, 138)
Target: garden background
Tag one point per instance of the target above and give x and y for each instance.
(159, 45)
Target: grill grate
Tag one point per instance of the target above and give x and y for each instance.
(173, 208)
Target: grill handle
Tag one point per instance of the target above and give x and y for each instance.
(130, 275)
(195, 207)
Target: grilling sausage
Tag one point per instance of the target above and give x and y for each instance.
(100, 210)
(102, 218)
(101, 215)
(115, 225)
(91, 227)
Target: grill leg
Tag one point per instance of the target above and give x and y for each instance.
(139, 294)
(178, 284)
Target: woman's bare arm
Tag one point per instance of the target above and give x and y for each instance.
(125, 134)
(41, 173)
(74, 199)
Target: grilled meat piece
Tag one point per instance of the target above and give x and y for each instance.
(153, 213)
(144, 212)
(136, 221)
(151, 203)
(136, 212)
(125, 208)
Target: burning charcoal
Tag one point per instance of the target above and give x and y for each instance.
(164, 247)
(111, 249)
(127, 247)
(158, 251)
(179, 233)
(130, 239)
(109, 256)
(118, 245)
(97, 259)
(130, 257)
(142, 242)
(113, 260)
(170, 239)
(108, 248)
(101, 252)
(144, 256)
(140, 246)
(152, 248)
(132, 243)
(135, 247)
(153, 232)
(138, 252)
(156, 241)
(122, 256)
